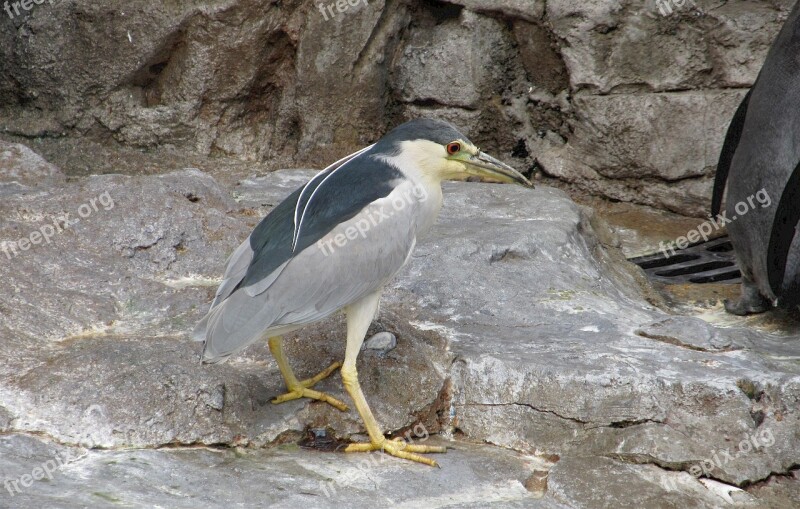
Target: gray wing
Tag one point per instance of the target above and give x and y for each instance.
(259, 260)
(239, 262)
(319, 280)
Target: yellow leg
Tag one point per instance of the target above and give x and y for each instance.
(359, 316)
(300, 389)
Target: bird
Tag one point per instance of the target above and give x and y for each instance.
(759, 174)
(332, 246)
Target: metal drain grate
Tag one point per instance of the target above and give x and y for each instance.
(706, 262)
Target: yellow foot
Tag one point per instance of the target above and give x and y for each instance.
(301, 390)
(400, 449)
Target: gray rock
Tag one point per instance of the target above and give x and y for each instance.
(688, 332)
(627, 91)
(516, 327)
(286, 476)
(525, 9)
(419, 77)
(21, 169)
(600, 483)
(611, 46)
(148, 76)
(382, 341)
(661, 134)
(5, 419)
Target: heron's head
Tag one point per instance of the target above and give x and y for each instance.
(441, 152)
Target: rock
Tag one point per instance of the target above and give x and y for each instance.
(21, 168)
(687, 196)
(382, 341)
(689, 332)
(419, 77)
(524, 9)
(130, 244)
(599, 483)
(5, 419)
(471, 476)
(781, 491)
(168, 75)
(660, 133)
(515, 326)
(612, 46)
(623, 90)
(540, 57)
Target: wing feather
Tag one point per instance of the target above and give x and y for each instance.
(311, 188)
(276, 281)
(236, 268)
(316, 282)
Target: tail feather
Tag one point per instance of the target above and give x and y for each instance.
(234, 324)
(199, 332)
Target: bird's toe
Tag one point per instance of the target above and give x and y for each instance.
(302, 392)
(399, 448)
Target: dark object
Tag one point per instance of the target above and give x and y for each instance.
(760, 159)
(707, 262)
(319, 439)
(732, 138)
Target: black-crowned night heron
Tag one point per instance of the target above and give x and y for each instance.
(333, 245)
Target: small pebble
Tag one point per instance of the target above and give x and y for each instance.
(384, 341)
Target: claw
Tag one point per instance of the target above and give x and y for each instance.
(302, 389)
(399, 448)
(302, 392)
(309, 382)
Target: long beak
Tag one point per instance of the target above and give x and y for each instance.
(487, 167)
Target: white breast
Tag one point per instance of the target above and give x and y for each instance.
(418, 188)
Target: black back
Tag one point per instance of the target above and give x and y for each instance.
(346, 192)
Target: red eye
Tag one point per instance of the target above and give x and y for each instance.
(453, 148)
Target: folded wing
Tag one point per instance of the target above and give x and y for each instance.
(269, 286)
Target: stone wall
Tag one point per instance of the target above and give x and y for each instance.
(620, 98)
